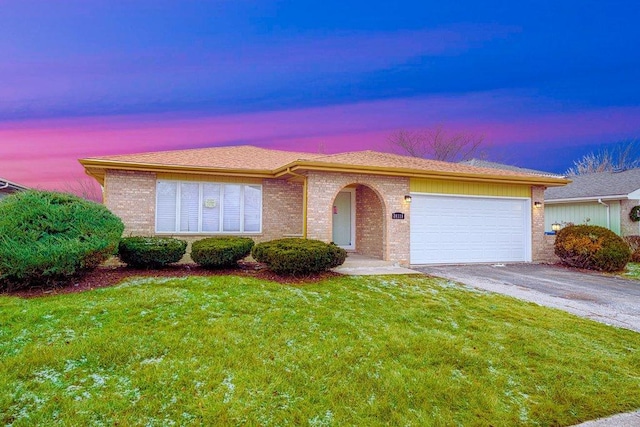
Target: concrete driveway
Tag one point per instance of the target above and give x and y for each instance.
(603, 298)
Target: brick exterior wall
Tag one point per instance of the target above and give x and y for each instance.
(546, 254)
(132, 196)
(538, 250)
(628, 227)
(281, 209)
(322, 190)
(369, 222)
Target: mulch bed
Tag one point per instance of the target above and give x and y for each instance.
(112, 275)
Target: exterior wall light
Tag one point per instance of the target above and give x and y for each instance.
(407, 198)
(537, 204)
(556, 227)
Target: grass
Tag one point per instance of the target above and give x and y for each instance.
(632, 271)
(346, 351)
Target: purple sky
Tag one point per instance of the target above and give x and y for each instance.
(544, 83)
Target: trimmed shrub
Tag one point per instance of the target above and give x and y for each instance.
(592, 247)
(298, 257)
(220, 252)
(46, 237)
(634, 245)
(151, 252)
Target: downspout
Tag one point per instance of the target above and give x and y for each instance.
(608, 213)
(5, 185)
(304, 201)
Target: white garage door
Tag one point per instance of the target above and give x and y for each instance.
(453, 229)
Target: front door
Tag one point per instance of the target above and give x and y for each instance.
(343, 219)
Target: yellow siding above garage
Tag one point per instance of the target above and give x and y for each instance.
(437, 186)
(208, 178)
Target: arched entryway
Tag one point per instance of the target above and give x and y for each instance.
(358, 220)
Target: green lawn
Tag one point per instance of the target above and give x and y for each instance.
(345, 351)
(633, 271)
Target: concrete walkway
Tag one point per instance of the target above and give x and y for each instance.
(631, 419)
(360, 265)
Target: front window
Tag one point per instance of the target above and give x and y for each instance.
(207, 207)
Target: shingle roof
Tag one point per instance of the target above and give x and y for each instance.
(234, 157)
(379, 159)
(596, 185)
(251, 160)
(494, 165)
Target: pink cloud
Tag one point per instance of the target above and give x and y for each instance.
(44, 153)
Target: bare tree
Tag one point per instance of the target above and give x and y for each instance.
(86, 188)
(620, 156)
(437, 143)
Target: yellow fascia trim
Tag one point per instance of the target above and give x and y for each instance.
(438, 186)
(413, 173)
(97, 168)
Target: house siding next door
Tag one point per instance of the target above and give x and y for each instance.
(457, 229)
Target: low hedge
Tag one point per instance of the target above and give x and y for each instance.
(592, 247)
(634, 245)
(296, 257)
(220, 252)
(151, 252)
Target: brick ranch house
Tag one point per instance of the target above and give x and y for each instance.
(396, 208)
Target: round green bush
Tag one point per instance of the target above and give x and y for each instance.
(592, 247)
(46, 237)
(220, 252)
(298, 257)
(151, 252)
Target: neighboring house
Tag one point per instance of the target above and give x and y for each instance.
(602, 198)
(8, 187)
(397, 208)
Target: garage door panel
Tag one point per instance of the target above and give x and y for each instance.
(453, 229)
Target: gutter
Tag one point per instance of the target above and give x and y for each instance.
(414, 173)
(608, 213)
(96, 167)
(586, 199)
(5, 183)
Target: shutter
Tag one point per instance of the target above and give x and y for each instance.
(166, 193)
(252, 208)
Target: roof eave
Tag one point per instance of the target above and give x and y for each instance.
(96, 168)
(12, 185)
(416, 173)
(586, 199)
(634, 195)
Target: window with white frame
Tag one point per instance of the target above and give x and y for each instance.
(208, 207)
